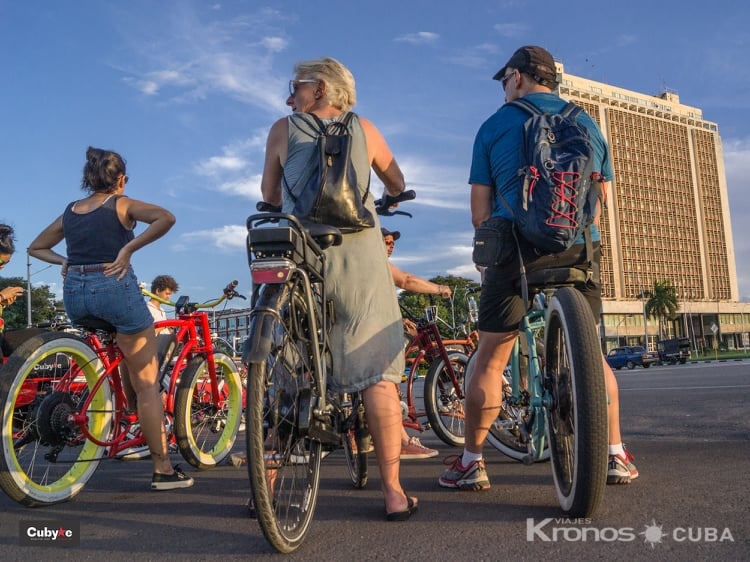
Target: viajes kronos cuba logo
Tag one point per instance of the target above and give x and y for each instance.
(580, 530)
(49, 533)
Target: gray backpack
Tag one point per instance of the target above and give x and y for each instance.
(559, 193)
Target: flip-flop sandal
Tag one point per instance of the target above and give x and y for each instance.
(403, 515)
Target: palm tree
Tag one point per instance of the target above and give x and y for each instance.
(662, 303)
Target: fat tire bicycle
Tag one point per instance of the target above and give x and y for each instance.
(293, 418)
(557, 406)
(64, 409)
(443, 381)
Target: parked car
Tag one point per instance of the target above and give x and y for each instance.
(631, 356)
(673, 351)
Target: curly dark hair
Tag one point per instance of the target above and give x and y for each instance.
(102, 170)
(6, 239)
(162, 282)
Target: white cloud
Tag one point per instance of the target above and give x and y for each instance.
(194, 58)
(419, 38)
(275, 44)
(217, 164)
(238, 170)
(226, 238)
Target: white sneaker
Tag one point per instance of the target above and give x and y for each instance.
(134, 453)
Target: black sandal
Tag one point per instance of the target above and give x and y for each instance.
(411, 508)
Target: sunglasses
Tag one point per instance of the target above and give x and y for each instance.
(504, 79)
(294, 84)
(3, 262)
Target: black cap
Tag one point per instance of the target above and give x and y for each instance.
(385, 232)
(535, 61)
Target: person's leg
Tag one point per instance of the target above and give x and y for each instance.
(613, 404)
(484, 392)
(139, 351)
(383, 410)
(620, 468)
(484, 397)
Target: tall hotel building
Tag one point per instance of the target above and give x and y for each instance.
(667, 217)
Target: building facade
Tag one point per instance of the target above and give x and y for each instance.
(667, 218)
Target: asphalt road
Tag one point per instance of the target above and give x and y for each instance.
(688, 425)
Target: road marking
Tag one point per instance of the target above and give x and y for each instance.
(686, 387)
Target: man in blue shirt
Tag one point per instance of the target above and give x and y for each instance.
(531, 74)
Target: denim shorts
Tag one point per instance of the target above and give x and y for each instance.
(120, 303)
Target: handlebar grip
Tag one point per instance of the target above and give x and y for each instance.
(383, 205)
(229, 291)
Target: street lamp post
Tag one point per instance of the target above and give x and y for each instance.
(617, 329)
(645, 319)
(28, 286)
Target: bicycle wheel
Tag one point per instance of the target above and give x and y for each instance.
(206, 429)
(44, 459)
(507, 433)
(444, 407)
(356, 460)
(283, 465)
(577, 417)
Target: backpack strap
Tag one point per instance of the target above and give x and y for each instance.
(571, 110)
(526, 105)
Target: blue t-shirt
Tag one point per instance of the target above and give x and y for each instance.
(496, 156)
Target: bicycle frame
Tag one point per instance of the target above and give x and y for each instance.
(539, 398)
(426, 346)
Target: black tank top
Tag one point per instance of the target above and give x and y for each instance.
(96, 236)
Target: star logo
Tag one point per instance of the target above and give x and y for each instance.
(653, 533)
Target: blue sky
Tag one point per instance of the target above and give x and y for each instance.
(186, 92)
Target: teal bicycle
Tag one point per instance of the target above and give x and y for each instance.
(554, 396)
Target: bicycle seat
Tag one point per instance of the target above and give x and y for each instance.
(556, 277)
(323, 234)
(93, 323)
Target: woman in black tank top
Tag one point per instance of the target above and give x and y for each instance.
(100, 284)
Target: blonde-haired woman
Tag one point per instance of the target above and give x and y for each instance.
(367, 337)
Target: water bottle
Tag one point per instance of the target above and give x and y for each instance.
(473, 310)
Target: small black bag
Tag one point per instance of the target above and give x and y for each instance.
(494, 242)
(330, 195)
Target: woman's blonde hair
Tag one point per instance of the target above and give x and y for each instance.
(340, 91)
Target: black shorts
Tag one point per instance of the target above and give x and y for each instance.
(501, 307)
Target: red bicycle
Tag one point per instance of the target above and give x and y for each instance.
(443, 383)
(64, 408)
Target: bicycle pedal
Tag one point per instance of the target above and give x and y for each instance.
(325, 434)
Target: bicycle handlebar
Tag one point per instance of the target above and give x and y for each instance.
(229, 293)
(384, 204)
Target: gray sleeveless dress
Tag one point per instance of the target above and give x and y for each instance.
(367, 337)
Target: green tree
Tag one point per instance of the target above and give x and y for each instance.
(416, 303)
(43, 304)
(661, 303)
